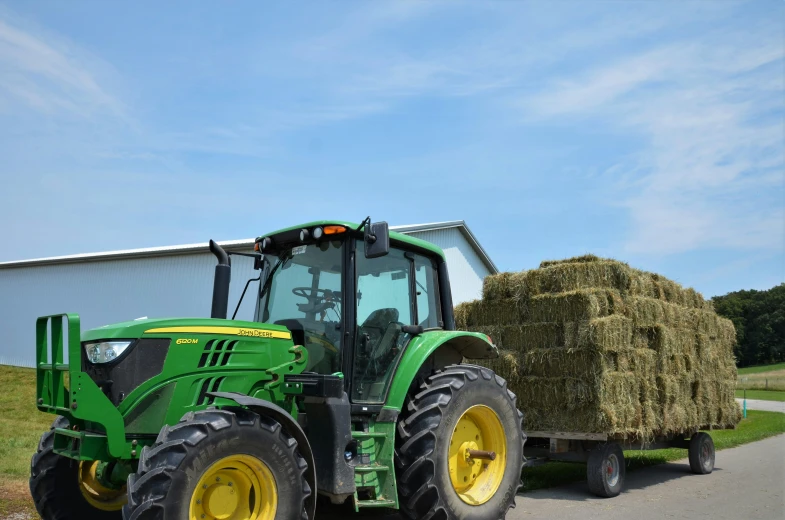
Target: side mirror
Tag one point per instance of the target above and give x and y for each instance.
(377, 239)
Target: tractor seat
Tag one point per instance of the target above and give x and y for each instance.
(381, 318)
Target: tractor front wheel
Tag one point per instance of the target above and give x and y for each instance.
(459, 450)
(64, 489)
(220, 464)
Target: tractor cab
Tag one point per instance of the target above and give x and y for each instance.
(352, 296)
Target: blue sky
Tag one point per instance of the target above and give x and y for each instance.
(651, 132)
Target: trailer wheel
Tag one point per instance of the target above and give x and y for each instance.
(63, 488)
(701, 452)
(220, 464)
(446, 433)
(605, 470)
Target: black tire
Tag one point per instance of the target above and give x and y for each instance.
(606, 470)
(425, 428)
(170, 469)
(54, 484)
(701, 452)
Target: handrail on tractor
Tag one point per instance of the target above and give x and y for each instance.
(51, 368)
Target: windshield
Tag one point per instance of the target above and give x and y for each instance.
(304, 295)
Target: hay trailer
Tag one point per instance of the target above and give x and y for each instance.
(603, 454)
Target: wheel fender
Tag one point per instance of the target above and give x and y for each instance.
(269, 409)
(471, 345)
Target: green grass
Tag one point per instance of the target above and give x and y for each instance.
(762, 368)
(21, 424)
(764, 395)
(758, 425)
(768, 377)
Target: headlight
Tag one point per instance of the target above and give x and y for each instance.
(105, 351)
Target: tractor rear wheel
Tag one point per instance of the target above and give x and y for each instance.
(220, 464)
(459, 448)
(63, 488)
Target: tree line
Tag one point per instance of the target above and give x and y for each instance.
(759, 317)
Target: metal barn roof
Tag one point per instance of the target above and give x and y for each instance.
(238, 245)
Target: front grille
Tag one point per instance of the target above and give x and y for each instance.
(144, 361)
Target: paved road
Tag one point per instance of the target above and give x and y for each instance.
(748, 482)
(769, 406)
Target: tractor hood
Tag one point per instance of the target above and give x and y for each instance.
(157, 327)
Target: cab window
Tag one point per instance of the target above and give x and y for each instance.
(428, 303)
(385, 304)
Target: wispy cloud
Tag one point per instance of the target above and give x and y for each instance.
(49, 75)
(710, 174)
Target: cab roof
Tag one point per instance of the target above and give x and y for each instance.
(394, 235)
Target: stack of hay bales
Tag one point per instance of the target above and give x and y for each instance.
(593, 345)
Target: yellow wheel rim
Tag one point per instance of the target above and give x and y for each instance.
(239, 487)
(98, 496)
(475, 480)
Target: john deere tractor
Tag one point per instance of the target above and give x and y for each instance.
(350, 382)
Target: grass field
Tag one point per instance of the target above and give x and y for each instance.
(763, 395)
(761, 369)
(768, 378)
(21, 425)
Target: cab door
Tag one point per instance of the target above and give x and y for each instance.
(392, 291)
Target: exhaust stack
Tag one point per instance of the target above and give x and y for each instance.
(223, 275)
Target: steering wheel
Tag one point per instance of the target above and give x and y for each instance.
(319, 300)
(316, 295)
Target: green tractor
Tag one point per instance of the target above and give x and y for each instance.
(349, 383)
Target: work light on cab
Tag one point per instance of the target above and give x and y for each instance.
(105, 351)
(333, 230)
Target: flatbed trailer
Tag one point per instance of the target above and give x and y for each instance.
(603, 454)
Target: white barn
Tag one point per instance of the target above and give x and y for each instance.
(173, 281)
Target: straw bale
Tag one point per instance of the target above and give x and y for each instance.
(573, 404)
(500, 286)
(460, 313)
(574, 260)
(590, 272)
(508, 363)
(594, 345)
(520, 338)
(574, 305)
(494, 312)
(576, 276)
(608, 333)
(585, 364)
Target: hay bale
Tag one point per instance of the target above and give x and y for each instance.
(460, 313)
(494, 312)
(607, 404)
(594, 345)
(574, 305)
(589, 272)
(607, 333)
(583, 259)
